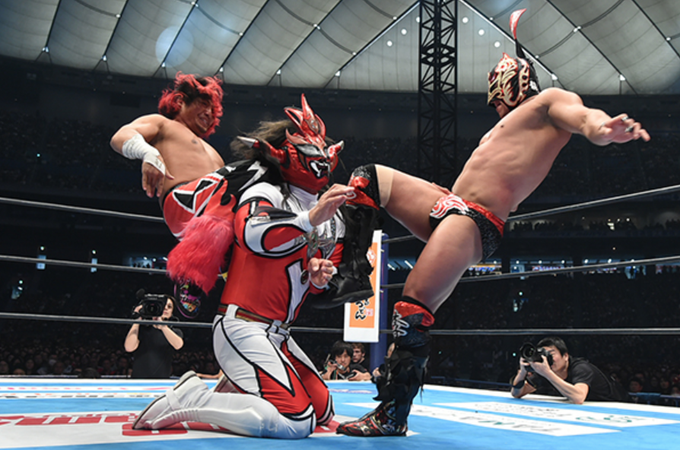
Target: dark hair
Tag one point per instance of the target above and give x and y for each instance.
(556, 342)
(272, 132)
(341, 347)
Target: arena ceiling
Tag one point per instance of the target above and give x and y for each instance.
(597, 47)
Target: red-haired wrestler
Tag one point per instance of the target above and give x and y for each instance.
(187, 173)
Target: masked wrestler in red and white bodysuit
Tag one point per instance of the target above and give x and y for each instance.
(285, 249)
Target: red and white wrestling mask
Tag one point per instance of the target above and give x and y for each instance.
(512, 81)
(305, 159)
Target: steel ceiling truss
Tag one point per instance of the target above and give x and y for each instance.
(437, 92)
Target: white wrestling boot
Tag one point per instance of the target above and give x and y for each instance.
(174, 406)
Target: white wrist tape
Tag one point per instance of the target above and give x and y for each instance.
(137, 148)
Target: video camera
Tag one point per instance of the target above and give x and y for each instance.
(152, 305)
(530, 353)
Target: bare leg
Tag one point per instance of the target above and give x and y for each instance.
(454, 246)
(451, 248)
(408, 199)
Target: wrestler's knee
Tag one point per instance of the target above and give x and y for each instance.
(385, 177)
(283, 427)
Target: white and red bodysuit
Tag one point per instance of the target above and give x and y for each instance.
(280, 393)
(268, 278)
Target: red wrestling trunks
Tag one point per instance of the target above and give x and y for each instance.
(188, 200)
(490, 226)
(216, 193)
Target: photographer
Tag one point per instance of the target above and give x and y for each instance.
(549, 367)
(153, 345)
(341, 367)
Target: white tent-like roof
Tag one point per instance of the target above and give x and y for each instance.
(596, 47)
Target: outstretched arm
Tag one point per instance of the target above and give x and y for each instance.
(132, 141)
(568, 112)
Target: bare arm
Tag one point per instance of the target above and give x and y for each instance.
(132, 141)
(148, 126)
(132, 339)
(567, 111)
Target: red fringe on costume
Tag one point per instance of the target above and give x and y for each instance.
(200, 254)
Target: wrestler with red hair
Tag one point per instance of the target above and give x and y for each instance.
(171, 144)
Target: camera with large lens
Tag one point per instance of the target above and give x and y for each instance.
(152, 305)
(531, 353)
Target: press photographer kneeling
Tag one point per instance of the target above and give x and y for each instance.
(153, 344)
(548, 367)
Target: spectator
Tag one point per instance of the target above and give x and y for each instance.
(574, 378)
(341, 367)
(359, 354)
(154, 344)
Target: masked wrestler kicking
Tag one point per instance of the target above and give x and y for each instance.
(286, 246)
(465, 226)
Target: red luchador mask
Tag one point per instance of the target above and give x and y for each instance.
(305, 159)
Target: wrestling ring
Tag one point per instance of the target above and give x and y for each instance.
(44, 412)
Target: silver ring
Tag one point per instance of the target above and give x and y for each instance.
(629, 129)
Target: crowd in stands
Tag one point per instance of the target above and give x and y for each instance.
(591, 301)
(75, 155)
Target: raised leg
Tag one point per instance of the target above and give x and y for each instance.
(453, 246)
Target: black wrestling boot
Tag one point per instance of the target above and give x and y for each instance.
(405, 374)
(352, 282)
(379, 422)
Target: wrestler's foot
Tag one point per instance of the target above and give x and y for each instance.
(379, 422)
(188, 299)
(352, 289)
(345, 289)
(155, 415)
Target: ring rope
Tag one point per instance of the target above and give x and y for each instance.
(594, 203)
(502, 276)
(573, 207)
(527, 274)
(84, 319)
(471, 332)
(80, 209)
(58, 262)
(531, 215)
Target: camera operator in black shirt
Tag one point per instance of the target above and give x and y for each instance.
(549, 368)
(154, 344)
